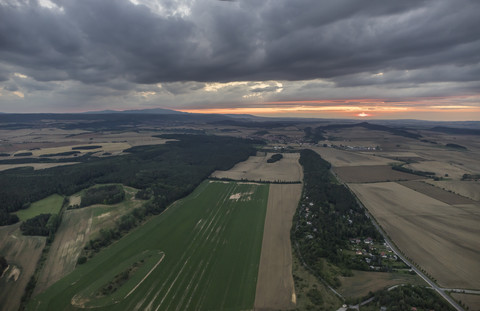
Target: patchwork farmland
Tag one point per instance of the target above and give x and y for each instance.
(441, 238)
(203, 252)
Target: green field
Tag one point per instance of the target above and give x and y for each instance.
(49, 205)
(202, 253)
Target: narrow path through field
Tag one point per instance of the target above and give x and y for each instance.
(146, 276)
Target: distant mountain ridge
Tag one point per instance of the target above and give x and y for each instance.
(138, 111)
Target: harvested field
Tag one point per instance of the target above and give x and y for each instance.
(441, 169)
(401, 156)
(436, 193)
(106, 147)
(338, 157)
(22, 253)
(71, 237)
(373, 173)
(471, 301)
(36, 166)
(469, 189)
(256, 168)
(275, 287)
(77, 228)
(441, 238)
(362, 282)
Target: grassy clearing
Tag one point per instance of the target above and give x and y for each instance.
(211, 241)
(49, 205)
(363, 282)
(310, 293)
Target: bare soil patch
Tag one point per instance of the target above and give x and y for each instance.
(275, 286)
(441, 238)
(373, 173)
(436, 193)
(22, 254)
(338, 157)
(256, 168)
(469, 189)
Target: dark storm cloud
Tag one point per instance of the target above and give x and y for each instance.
(109, 41)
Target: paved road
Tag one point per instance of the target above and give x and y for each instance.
(463, 291)
(439, 290)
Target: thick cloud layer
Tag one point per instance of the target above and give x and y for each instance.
(121, 44)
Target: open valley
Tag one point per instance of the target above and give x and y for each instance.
(153, 222)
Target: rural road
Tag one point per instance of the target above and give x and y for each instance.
(438, 289)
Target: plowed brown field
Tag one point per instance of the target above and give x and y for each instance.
(373, 173)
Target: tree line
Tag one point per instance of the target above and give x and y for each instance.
(167, 171)
(327, 218)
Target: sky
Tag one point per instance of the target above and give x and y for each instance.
(409, 59)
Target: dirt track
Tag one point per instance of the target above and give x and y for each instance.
(275, 286)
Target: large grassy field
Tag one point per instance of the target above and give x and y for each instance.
(202, 253)
(49, 205)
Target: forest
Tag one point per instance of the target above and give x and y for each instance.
(327, 218)
(168, 171)
(274, 158)
(107, 194)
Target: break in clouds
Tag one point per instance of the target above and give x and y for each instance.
(198, 53)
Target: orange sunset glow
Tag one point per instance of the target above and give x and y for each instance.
(349, 107)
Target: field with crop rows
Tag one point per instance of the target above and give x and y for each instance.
(202, 253)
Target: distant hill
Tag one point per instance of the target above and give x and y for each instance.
(375, 127)
(139, 111)
(457, 131)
